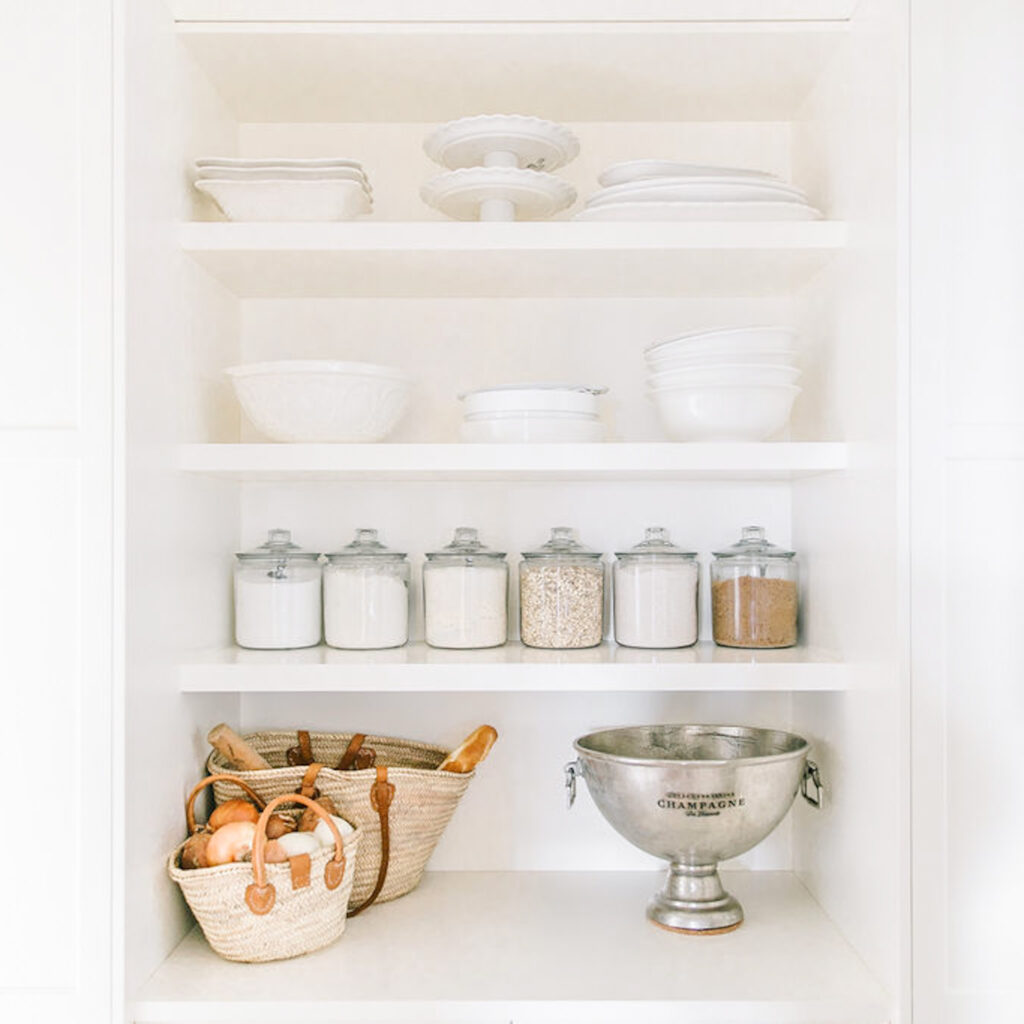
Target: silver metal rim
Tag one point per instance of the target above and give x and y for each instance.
(788, 755)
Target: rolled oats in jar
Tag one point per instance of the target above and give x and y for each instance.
(561, 594)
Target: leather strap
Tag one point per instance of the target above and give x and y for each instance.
(351, 752)
(382, 793)
(303, 753)
(309, 787)
(261, 894)
(300, 865)
(190, 817)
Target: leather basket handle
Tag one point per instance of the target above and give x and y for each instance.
(382, 793)
(351, 752)
(190, 816)
(308, 788)
(301, 754)
(261, 894)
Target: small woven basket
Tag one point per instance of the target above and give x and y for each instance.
(258, 912)
(402, 804)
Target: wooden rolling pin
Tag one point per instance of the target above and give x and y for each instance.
(471, 751)
(238, 754)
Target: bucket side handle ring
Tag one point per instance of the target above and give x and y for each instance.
(811, 777)
(573, 771)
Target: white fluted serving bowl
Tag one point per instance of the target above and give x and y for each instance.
(314, 400)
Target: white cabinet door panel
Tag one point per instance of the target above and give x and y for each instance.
(967, 506)
(57, 663)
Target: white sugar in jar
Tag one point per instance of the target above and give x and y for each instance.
(366, 595)
(277, 595)
(655, 593)
(465, 594)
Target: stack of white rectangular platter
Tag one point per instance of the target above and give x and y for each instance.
(666, 190)
(285, 189)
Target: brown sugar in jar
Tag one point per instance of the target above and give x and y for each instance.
(750, 611)
(754, 594)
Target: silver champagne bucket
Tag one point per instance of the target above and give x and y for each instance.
(694, 795)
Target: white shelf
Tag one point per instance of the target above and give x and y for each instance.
(291, 11)
(608, 461)
(425, 70)
(539, 948)
(437, 259)
(512, 668)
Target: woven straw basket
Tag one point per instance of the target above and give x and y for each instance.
(258, 912)
(402, 804)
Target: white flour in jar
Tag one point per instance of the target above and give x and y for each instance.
(277, 614)
(656, 604)
(365, 609)
(465, 606)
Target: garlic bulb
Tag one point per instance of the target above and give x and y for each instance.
(294, 843)
(323, 831)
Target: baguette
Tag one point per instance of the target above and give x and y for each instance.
(238, 754)
(471, 751)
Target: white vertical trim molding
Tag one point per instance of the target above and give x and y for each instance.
(928, 333)
(98, 903)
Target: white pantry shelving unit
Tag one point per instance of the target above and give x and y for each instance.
(608, 462)
(458, 962)
(513, 668)
(528, 914)
(555, 259)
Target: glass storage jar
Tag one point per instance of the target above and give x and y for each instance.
(655, 590)
(277, 595)
(754, 593)
(465, 594)
(366, 595)
(561, 594)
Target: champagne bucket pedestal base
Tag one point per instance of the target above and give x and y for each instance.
(694, 902)
(694, 795)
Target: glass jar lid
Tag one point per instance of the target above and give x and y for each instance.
(563, 543)
(753, 547)
(365, 545)
(278, 547)
(465, 549)
(656, 544)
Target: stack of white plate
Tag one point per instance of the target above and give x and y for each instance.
(735, 384)
(282, 189)
(499, 168)
(664, 190)
(525, 413)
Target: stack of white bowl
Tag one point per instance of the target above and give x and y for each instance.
(528, 413)
(733, 384)
(284, 189)
(667, 190)
(499, 168)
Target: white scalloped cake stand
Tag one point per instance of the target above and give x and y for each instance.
(502, 140)
(498, 194)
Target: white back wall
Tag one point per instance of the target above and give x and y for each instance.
(397, 165)
(420, 517)
(455, 345)
(513, 817)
